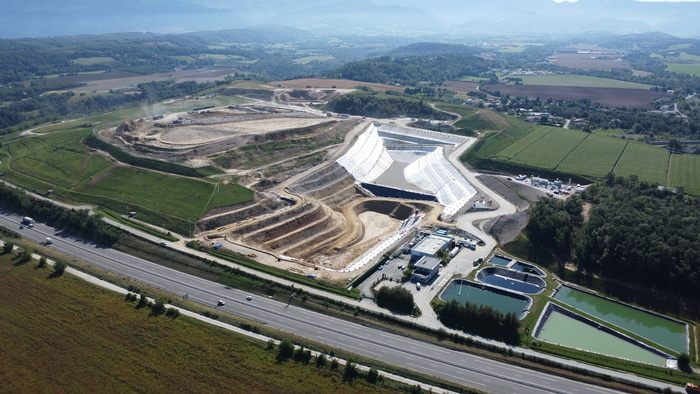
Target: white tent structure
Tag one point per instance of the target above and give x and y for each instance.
(421, 155)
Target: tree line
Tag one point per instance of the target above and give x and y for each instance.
(42, 108)
(631, 120)
(78, 222)
(480, 320)
(395, 298)
(412, 71)
(636, 232)
(366, 102)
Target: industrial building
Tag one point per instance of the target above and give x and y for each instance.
(431, 245)
(426, 268)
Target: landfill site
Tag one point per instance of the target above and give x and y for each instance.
(368, 191)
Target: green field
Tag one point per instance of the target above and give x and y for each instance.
(579, 81)
(685, 170)
(590, 155)
(89, 61)
(513, 149)
(309, 59)
(648, 162)
(496, 142)
(687, 68)
(64, 335)
(59, 161)
(596, 156)
(551, 149)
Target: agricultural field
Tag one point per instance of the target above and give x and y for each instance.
(59, 161)
(61, 334)
(309, 59)
(316, 83)
(103, 82)
(596, 156)
(462, 87)
(589, 61)
(551, 149)
(513, 149)
(648, 162)
(612, 97)
(687, 68)
(685, 170)
(499, 141)
(580, 81)
(589, 155)
(89, 61)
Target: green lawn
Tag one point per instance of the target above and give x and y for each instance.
(579, 81)
(685, 170)
(648, 162)
(595, 156)
(551, 149)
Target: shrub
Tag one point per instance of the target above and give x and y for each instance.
(143, 302)
(158, 307)
(286, 350)
(59, 268)
(321, 360)
(24, 255)
(7, 247)
(373, 375)
(42, 262)
(684, 362)
(350, 371)
(172, 313)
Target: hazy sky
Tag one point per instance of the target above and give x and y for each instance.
(656, 1)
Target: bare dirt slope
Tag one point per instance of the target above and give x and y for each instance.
(308, 215)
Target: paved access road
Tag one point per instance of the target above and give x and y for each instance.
(461, 368)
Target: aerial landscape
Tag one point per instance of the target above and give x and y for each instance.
(285, 197)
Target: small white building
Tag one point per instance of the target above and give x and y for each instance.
(426, 268)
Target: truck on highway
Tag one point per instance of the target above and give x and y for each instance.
(27, 220)
(48, 241)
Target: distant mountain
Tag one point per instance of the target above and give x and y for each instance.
(42, 18)
(415, 18)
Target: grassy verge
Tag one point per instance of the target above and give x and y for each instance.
(138, 226)
(649, 371)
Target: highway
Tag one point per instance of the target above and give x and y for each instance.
(430, 359)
